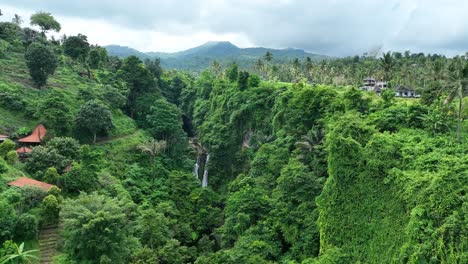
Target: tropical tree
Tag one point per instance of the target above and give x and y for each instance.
(94, 117)
(457, 87)
(41, 62)
(20, 256)
(268, 56)
(153, 147)
(387, 63)
(139, 80)
(45, 21)
(17, 20)
(76, 47)
(96, 228)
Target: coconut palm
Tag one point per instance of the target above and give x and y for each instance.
(153, 147)
(20, 256)
(387, 63)
(17, 19)
(268, 56)
(457, 87)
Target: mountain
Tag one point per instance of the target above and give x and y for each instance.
(201, 57)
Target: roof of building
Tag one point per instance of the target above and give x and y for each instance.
(23, 181)
(23, 150)
(37, 135)
(3, 136)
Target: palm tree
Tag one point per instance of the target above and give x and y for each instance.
(153, 147)
(387, 63)
(458, 77)
(17, 20)
(20, 256)
(268, 56)
(216, 67)
(311, 141)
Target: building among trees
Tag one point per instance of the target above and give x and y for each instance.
(36, 137)
(3, 137)
(372, 85)
(23, 182)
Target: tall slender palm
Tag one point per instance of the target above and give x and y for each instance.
(20, 256)
(268, 56)
(457, 87)
(387, 63)
(216, 67)
(17, 19)
(153, 147)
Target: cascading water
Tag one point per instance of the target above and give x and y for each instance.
(205, 172)
(197, 167)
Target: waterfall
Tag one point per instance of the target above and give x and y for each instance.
(205, 172)
(197, 167)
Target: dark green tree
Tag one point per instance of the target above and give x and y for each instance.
(27, 227)
(76, 47)
(96, 227)
(55, 113)
(232, 72)
(243, 80)
(164, 121)
(139, 80)
(41, 62)
(95, 118)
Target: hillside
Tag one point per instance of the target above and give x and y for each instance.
(288, 163)
(201, 57)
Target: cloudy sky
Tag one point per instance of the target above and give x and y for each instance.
(332, 27)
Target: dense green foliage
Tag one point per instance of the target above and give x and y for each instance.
(41, 62)
(232, 165)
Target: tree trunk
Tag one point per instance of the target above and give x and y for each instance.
(94, 139)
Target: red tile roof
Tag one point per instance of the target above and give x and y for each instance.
(36, 137)
(23, 150)
(23, 181)
(3, 136)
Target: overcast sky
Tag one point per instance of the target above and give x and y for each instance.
(332, 27)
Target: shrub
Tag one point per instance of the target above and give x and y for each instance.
(51, 175)
(12, 157)
(11, 101)
(3, 167)
(6, 147)
(9, 31)
(27, 227)
(32, 196)
(9, 247)
(50, 209)
(65, 146)
(42, 158)
(7, 220)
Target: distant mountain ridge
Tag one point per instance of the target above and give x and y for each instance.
(224, 52)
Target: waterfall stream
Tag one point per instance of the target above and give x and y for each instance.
(205, 172)
(197, 167)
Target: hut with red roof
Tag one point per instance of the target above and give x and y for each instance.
(23, 182)
(36, 136)
(3, 138)
(23, 152)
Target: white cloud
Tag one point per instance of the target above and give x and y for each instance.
(335, 27)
